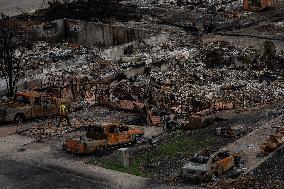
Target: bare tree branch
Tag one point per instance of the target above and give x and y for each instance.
(13, 37)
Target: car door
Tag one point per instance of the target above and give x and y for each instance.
(49, 107)
(26, 106)
(113, 137)
(54, 108)
(124, 136)
(37, 107)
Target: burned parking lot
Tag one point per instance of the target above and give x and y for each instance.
(163, 80)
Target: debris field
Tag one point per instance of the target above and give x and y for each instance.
(193, 75)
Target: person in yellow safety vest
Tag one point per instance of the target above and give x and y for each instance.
(63, 114)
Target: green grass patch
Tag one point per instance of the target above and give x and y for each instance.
(179, 146)
(134, 168)
(184, 146)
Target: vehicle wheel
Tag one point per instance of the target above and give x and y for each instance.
(137, 139)
(237, 161)
(19, 119)
(100, 148)
(216, 174)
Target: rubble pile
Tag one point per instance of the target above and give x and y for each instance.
(49, 129)
(45, 59)
(43, 131)
(165, 74)
(277, 27)
(230, 76)
(100, 115)
(199, 16)
(63, 65)
(174, 71)
(126, 90)
(197, 3)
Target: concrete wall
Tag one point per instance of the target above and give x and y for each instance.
(118, 52)
(89, 34)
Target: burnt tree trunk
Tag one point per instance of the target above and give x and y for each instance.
(10, 65)
(13, 38)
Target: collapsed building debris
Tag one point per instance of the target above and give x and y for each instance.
(154, 62)
(46, 130)
(172, 77)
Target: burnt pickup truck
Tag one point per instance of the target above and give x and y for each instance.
(102, 136)
(28, 105)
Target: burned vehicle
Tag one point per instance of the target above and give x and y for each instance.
(102, 136)
(203, 166)
(28, 105)
(182, 122)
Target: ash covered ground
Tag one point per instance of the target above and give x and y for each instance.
(207, 65)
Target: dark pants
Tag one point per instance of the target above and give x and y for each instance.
(61, 117)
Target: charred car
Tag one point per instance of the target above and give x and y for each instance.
(102, 136)
(203, 166)
(28, 105)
